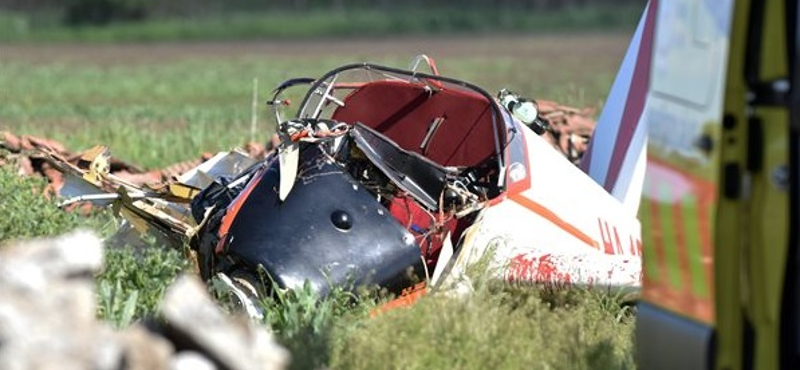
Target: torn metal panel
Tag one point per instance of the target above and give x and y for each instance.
(223, 164)
(164, 208)
(415, 174)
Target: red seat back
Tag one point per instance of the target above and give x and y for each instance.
(404, 112)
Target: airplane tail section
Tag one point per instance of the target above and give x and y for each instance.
(617, 153)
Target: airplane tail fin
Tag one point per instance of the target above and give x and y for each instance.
(616, 155)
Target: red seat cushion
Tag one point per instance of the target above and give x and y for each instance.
(404, 112)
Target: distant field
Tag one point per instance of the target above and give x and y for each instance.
(319, 21)
(158, 103)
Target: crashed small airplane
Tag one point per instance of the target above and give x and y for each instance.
(395, 178)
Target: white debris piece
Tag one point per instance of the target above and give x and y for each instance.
(48, 318)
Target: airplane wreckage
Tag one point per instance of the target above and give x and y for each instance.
(386, 177)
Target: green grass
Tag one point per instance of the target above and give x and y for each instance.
(153, 115)
(132, 283)
(158, 114)
(310, 327)
(500, 327)
(27, 213)
(19, 27)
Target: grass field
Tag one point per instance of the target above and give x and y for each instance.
(156, 104)
(259, 24)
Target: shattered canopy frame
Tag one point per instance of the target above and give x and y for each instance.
(450, 122)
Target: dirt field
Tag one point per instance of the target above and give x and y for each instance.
(603, 48)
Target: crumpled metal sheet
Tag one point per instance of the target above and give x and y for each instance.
(164, 207)
(147, 199)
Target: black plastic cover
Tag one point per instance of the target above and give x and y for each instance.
(419, 176)
(330, 231)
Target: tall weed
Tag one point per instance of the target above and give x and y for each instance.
(27, 212)
(134, 280)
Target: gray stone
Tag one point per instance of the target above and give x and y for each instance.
(47, 315)
(190, 360)
(144, 350)
(108, 352)
(48, 318)
(233, 344)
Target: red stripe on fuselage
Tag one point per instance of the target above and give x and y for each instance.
(637, 95)
(554, 218)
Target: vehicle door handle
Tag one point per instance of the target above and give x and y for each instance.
(705, 143)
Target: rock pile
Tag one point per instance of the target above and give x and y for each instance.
(48, 319)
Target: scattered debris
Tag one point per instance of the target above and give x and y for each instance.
(569, 131)
(48, 318)
(26, 154)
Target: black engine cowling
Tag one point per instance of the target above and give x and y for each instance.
(330, 231)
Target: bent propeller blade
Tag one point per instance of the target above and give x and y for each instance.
(288, 157)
